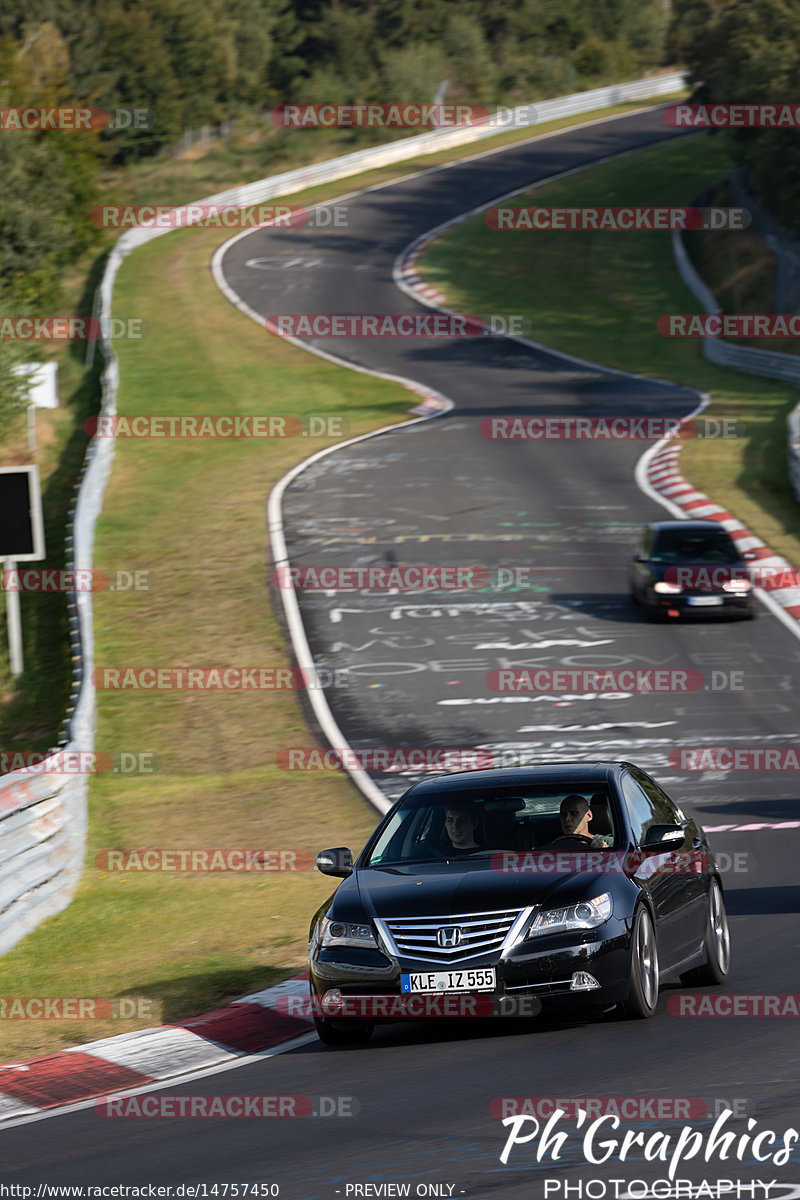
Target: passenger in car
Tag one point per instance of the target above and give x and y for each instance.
(460, 823)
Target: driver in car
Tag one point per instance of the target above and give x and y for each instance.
(575, 816)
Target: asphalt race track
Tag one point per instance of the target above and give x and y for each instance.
(439, 493)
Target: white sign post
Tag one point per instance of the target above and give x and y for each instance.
(14, 622)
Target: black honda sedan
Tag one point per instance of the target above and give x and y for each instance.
(690, 568)
(580, 886)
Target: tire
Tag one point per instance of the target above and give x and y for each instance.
(343, 1033)
(653, 612)
(716, 943)
(643, 994)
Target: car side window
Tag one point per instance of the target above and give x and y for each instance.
(644, 543)
(666, 813)
(641, 812)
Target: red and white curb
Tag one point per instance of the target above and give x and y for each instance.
(133, 1060)
(664, 477)
(431, 405)
(407, 271)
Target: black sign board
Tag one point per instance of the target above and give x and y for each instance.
(21, 530)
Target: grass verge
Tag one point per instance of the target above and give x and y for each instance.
(599, 294)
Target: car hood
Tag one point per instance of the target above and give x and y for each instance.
(739, 568)
(442, 889)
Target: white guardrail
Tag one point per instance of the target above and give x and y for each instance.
(43, 813)
(769, 363)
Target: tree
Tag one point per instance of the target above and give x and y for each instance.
(748, 51)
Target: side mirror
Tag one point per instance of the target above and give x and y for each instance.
(663, 837)
(338, 862)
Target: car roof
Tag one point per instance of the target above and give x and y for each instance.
(697, 524)
(558, 772)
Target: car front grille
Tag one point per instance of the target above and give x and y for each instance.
(478, 934)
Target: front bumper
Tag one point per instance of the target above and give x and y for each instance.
(726, 603)
(533, 970)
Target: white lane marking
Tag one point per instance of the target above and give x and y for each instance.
(545, 645)
(751, 828)
(594, 728)
(553, 698)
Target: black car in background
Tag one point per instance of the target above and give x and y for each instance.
(584, 921)
(684, 568)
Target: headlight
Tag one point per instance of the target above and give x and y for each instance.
(343, 933)
(736, 585)
(586, 915)
(667, 589)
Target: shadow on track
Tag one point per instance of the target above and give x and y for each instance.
(748, 902)
(753, 811)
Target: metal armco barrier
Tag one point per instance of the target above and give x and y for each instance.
(43, 816)
(768, 363)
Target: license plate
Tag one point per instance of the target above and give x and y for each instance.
(477, 980)
(703, 601)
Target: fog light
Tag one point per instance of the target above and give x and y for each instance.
(332, 1002)
(582, 981)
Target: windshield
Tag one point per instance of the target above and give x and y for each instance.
(476, 824)
(687, 546)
